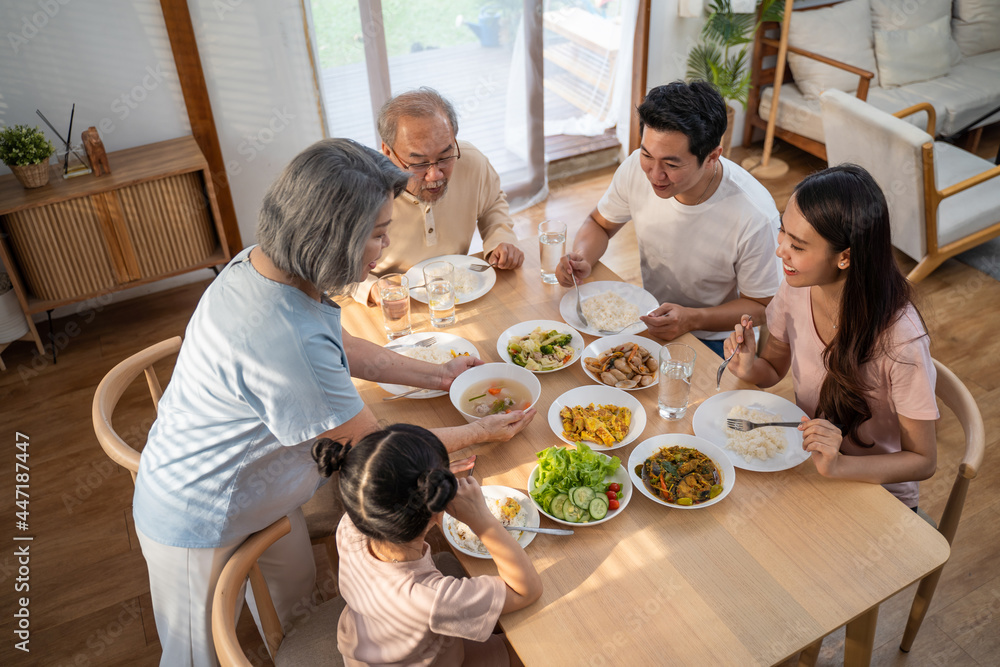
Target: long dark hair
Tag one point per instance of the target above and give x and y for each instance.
(846, 207)
(392, 482)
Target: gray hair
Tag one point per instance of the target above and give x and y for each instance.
(420, 103)
(317, 216)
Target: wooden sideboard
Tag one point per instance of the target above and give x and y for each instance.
(153, 217)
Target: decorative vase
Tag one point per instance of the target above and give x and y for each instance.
(32, 175)
(727, 138)
(12, 322)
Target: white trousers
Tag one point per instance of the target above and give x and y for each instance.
(182, 583)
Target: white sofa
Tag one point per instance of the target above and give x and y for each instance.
(943, 52)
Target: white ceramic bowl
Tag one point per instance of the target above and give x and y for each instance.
(525, 328)
(598, 395)
(646, 448)
(620, 476)
(494, 371)
(603, 345)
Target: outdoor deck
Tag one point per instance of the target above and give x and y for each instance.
(473, 77)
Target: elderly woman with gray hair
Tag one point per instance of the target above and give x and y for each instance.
(264, 371)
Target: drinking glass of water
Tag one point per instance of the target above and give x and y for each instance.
(439, 283)
(551, 248)
(676, 368)
(394, 292)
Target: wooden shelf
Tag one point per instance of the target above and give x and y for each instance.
(155, 216)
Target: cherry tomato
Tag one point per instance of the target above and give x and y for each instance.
(612, 504)
(614, 486)
(612, 495)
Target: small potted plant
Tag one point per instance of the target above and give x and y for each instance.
(722, 57)
(26, 151)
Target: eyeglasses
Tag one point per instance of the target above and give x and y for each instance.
(421, 168)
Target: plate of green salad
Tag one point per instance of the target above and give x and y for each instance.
(579, 486)
(541, 346)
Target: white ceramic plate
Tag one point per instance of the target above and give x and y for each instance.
(603, 345)
(646, 448)
(483, 281)
(645, 301)
(445, 342)
(620, 476)
(497, 493)
(525, 328)
(598, 395)
(709, 422)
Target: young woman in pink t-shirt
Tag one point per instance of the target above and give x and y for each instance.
(401, 609)
(844, 324)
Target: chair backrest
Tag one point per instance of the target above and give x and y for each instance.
(243, 564)
(891, 150)
(957, 397)
(110, 391)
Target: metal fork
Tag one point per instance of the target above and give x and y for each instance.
(427, 342)
(747, 425)
(579, 306)
(479, 267)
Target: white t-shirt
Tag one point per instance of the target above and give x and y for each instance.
(705, 255)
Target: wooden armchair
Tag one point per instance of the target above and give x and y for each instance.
(765, 49)
(942, 199)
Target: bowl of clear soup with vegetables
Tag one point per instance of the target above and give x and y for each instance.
(493, 389)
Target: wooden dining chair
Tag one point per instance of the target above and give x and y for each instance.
(312, 641)
(957, 398)
(322, 512)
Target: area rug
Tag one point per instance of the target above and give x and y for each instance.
(985, 257)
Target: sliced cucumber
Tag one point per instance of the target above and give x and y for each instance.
(572, 513)
(556, 508)
(598, 508)
(581, 496)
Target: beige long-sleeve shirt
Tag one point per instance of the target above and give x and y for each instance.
(420, 231)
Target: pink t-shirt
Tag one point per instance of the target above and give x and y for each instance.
(903, 379)
(409, 613)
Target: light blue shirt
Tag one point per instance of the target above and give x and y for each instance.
(262, 372)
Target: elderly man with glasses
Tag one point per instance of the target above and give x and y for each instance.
(452, 190)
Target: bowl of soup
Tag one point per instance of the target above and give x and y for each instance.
(493, 389)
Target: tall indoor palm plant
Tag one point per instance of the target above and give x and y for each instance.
(722, 57)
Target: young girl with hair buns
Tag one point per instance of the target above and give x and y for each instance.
(401, 609)
(844, 323)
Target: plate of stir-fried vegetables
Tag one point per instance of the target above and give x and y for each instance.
(540, 346)
(681, 471)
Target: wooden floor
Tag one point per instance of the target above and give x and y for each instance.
(89, 596)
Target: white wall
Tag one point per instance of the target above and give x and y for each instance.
(113, 59)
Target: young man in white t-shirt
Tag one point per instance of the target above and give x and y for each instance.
(707, 229)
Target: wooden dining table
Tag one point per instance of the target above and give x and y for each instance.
(785, 559)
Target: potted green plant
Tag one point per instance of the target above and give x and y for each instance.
(26, 151)
(722, 56)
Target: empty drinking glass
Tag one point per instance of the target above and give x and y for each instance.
(440, 287)
(676, 368)
(394, 292)
(551, 248)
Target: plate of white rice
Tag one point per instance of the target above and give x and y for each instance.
(447, 347)
(608, 305)
(469, 284)
(511, 508)
(767, 449)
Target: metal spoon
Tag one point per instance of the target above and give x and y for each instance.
(579, 307)
(547, 531)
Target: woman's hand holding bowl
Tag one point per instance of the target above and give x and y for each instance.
(454, 368)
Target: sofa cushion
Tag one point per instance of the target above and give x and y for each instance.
(796, 113)
(916, 54)
(842, 32)
(990, 61)
(976, 26)
(960, 97)
(910, 14)
(969, 211)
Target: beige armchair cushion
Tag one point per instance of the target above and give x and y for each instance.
(976, 26)
(842, 32)
(916, 54)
